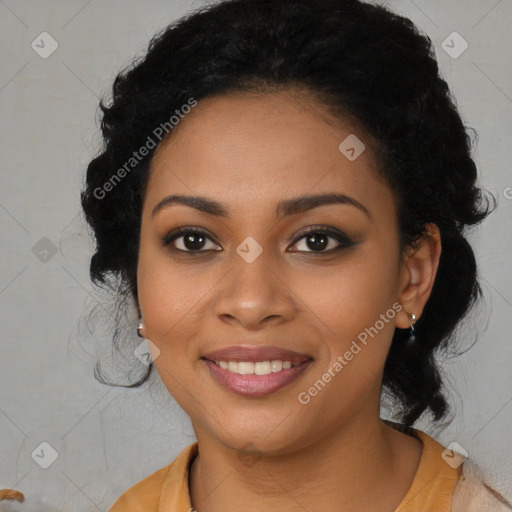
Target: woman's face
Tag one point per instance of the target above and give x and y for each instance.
(255, 284)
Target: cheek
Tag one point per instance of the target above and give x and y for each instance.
(356, 343)
(355, 305)
(170, 294)
(351, 296)
(168, 301)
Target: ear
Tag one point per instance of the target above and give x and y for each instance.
(417, 275)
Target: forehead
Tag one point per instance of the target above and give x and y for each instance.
(269, 146)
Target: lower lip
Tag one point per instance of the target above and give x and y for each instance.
(255, 385)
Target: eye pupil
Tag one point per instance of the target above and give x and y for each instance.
(188, 241)
(320, 241)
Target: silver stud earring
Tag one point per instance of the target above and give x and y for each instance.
(139, 330)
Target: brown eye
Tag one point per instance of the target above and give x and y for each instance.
(188, 239)
(323, 241)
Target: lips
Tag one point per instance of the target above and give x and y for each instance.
(252, 384)
(255, 354)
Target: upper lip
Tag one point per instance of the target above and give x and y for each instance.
(256, 353)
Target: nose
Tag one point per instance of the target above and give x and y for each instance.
(255, 295)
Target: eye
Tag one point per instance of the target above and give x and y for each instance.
(319, 239)
(188, 239)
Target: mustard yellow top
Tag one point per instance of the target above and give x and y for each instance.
(166, 490)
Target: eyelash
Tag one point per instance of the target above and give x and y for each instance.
(344, 240)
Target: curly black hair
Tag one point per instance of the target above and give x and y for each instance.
(362, 62)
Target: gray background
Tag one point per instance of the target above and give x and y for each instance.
(107, 439)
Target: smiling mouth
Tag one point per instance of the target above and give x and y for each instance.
(255, 370)
(253, 379)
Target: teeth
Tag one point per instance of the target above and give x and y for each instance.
(276, 366)
(262, 368)
(246, 368)
(251, 368)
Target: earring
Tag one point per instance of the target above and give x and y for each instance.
(412, 320)
(139, 329)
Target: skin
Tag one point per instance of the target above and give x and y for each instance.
(248, 152)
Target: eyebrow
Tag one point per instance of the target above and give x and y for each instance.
(284, 208)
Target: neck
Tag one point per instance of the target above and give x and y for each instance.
(364, 466)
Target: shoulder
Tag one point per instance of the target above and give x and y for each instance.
(434, 481)
(146, 495)
(471, 490)
(473, 494)
(444, 481)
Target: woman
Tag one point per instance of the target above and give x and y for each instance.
(283, 191)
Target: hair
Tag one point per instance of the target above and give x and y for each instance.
(360, 61)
